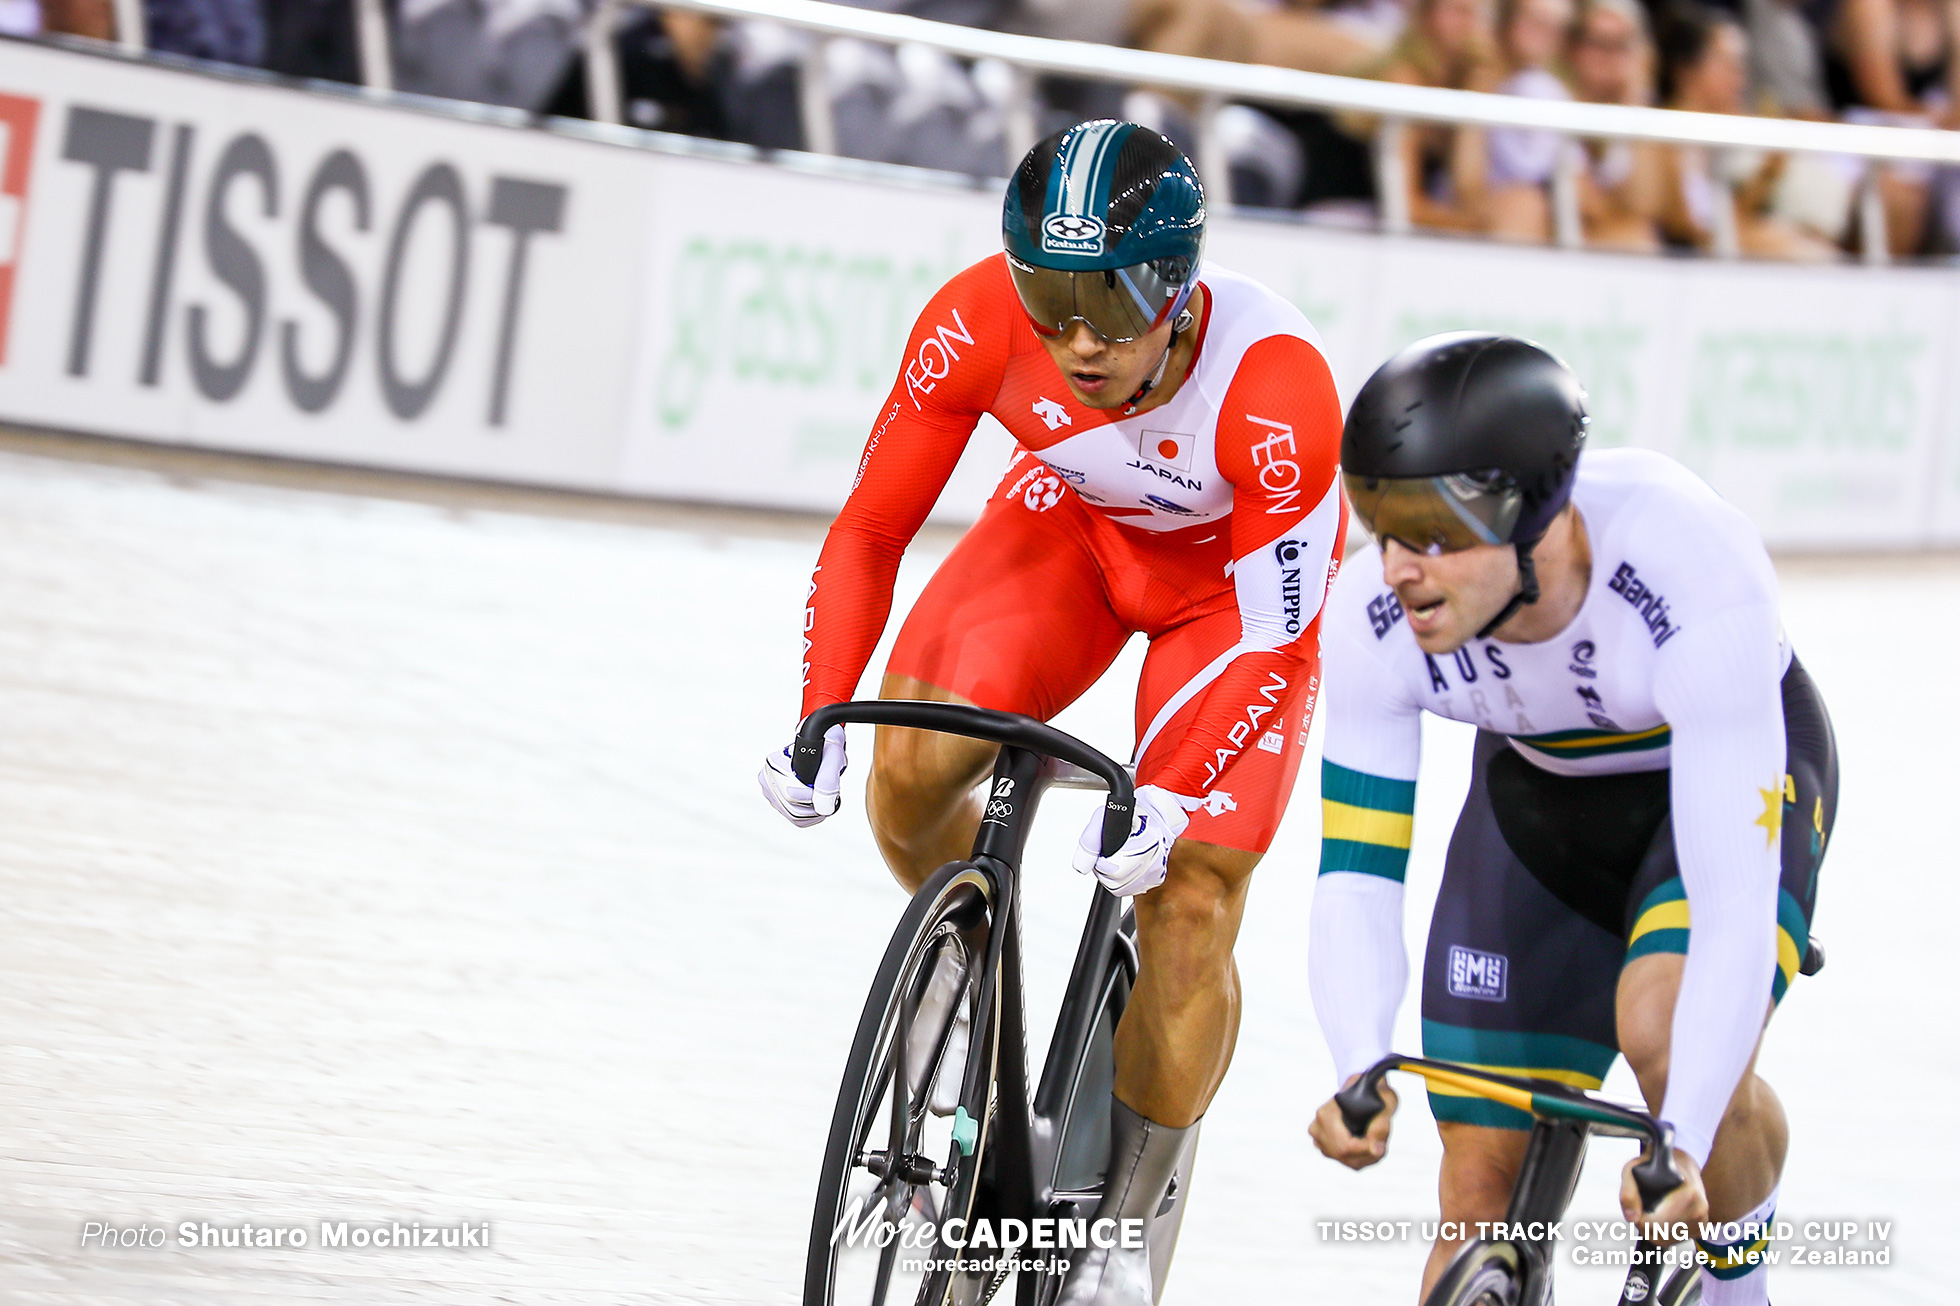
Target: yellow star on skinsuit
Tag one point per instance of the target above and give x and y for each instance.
(1772, 817)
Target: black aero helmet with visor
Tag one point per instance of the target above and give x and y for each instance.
(1464, 439)
(1104, 223)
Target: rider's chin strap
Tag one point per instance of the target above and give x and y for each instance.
(1182, 324)
(1527, 590)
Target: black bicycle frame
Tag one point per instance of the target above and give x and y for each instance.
(1028, 1133)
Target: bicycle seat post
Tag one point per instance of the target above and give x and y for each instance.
(1008, 810)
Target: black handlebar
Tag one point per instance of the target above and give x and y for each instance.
(1360, 1102)
(975, 723)
(1654, 1174)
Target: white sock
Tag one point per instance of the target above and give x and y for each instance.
(1750, 1288)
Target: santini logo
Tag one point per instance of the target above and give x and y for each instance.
(1652, 607)
(1479, 975)
(1069, 233)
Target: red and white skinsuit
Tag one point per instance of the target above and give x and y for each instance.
(1212, 524)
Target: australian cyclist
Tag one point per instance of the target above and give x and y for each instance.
(1177, 431)
(1650, 754)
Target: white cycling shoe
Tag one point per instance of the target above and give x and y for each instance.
(943, 1000)
(1143, 1157)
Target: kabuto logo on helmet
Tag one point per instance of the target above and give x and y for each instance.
(1072, 233)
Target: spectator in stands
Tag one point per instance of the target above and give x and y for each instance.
(1531, 37)
(676, 71)
(1620, 190)
(511, 52)
(1288, 35)
(1898, 61)
(227, 31)
(1786, 75)
(1705, 68)
(312, 38)
(1336, 36)
(1897, 57)
(96, 18)
(1786, 59)
(1448, 43)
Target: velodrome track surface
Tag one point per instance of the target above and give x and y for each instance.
(373, 849)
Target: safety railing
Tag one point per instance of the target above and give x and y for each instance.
(1392, 106)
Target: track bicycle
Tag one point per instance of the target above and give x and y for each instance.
(1518, 1271)
(935, 1134)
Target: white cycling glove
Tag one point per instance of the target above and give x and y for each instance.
(805, 804)
(1139, 865)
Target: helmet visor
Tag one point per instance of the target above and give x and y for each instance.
(1119, 304)
(1436, 514)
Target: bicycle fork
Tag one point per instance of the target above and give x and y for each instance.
(1546, 1181)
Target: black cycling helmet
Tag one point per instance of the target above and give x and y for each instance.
(1463, 439)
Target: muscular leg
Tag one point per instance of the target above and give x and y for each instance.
(921, 800)
(1480, 1165)
(1747, 1159)
(1178, 1032)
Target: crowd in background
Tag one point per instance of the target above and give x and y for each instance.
(1873, 61)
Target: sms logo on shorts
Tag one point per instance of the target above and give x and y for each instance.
(17, 119)
(1481, 975)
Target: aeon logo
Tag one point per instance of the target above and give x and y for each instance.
(18, 116)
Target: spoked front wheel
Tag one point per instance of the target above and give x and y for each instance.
(906, 1143)
(1484, 1273)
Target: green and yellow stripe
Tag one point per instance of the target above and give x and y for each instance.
(1560, 1058)
(1792, 937)
(1366, 822)
(1731, 1260)
(1661, 925)
(1594, 743)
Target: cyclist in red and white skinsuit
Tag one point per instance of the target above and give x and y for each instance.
(1209, 523)
(1180, 483)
